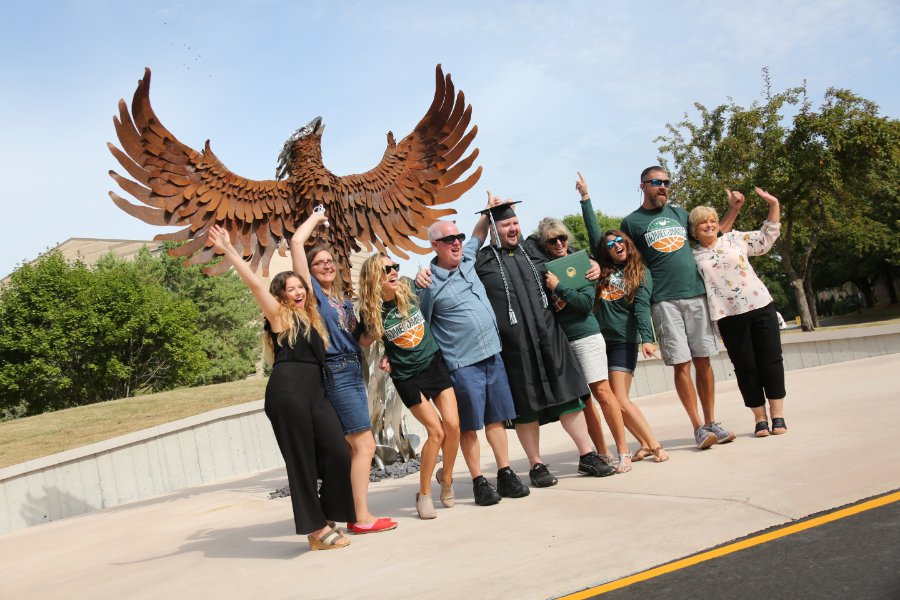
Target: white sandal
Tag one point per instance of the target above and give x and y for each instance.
(624, 463)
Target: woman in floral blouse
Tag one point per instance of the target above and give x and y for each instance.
(742, 306)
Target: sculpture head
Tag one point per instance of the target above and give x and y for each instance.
(301, 141)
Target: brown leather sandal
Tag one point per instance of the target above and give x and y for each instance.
(642, 453)
(656, 457)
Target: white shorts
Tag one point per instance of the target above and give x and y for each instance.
(683, 330)
(591, 355)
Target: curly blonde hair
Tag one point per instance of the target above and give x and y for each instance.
(293, 320)
(370, 300)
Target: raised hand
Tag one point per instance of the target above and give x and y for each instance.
(581, 185)
(218, 239)
(735, 199)
(766, 196)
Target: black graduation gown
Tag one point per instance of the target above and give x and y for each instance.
(541, 366)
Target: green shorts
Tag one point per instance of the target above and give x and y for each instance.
(551, 413)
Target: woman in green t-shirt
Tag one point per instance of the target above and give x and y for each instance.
(389, 311)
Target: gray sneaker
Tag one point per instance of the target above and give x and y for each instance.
(723, 436)
(705, 438)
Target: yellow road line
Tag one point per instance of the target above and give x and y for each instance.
(724, 550)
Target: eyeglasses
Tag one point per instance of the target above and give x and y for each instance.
(323, 263)
(389, 268)
(560, 239)
(658, 182)
(618, 240)
(449, 239)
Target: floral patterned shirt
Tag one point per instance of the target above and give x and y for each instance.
(732, 287)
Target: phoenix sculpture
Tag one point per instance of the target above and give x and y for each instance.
(383, 207)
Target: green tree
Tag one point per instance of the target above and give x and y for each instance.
(71, 336)
(228, 320)
(575, 225)
(827, 165)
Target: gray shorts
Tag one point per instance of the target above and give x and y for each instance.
(683, 330)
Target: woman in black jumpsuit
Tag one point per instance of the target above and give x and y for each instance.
(306, 427)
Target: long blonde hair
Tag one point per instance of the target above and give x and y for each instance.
(370, 300)
(293, 320)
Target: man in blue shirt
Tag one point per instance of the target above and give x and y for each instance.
(455, 304)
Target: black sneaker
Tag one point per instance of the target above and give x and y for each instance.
(541, 476)
(509, 485)
(485, 494)
(592, 464)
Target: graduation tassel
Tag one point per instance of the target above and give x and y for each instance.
(512, 314)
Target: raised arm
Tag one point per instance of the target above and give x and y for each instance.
(735, 202)
(590, 217)
(298, 253)
(760, 242)
(481, 226)
(774, 205)
(218, 239)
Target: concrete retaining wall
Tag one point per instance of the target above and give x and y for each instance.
(238, 440)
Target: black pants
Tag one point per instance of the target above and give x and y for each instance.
(753, 342)
(312, 443)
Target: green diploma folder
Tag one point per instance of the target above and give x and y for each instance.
(571, 269)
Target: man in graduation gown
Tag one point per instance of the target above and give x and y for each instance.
(543, 372)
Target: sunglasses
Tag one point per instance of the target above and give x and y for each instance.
(560, 239)
(389, 268)
(449, 239)
(658, 182)
(617, 240)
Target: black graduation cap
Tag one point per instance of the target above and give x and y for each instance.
(501, 212)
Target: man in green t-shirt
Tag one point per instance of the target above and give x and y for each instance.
(678, 302)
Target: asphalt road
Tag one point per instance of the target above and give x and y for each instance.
(854, 557)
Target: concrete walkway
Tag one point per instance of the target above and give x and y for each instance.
(229, 541)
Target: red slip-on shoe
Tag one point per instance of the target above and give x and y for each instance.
(382, 524)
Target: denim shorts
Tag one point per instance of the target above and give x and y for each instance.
(622, 356)
(483, 394)
(348, 394)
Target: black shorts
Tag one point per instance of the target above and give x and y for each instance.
(429, 382)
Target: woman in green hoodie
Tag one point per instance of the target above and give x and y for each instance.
(623, 310)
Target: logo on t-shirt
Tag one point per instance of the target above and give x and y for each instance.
(408, 333)
(665, 235)
(615, 289)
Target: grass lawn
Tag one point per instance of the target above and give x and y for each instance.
(49, 433)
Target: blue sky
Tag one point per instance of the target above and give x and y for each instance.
(555, 87)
